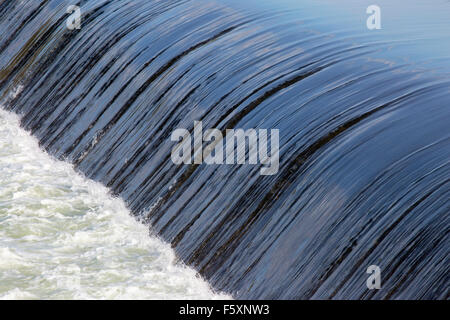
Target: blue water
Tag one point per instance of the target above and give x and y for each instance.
(363, 118)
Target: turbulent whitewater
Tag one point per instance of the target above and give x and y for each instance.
(363, 118)
(65, 237)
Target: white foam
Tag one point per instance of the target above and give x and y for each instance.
(64, 237)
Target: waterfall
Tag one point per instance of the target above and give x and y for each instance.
(363, 118)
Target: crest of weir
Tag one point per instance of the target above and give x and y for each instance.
(363, 119)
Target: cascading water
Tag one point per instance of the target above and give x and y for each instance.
(363, 117)
(64, 237)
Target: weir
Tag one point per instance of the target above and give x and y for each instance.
(363, 118)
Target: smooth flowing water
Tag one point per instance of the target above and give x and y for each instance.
(64, 237)
(363, 118)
